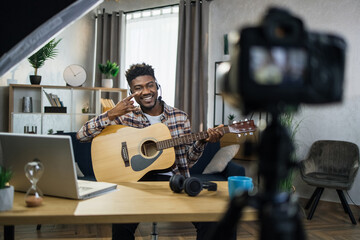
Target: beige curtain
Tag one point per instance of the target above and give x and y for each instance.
(108, 46)
(192, 62)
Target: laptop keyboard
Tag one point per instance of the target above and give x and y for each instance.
(82, 189)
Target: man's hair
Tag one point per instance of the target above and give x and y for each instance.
(139, 69)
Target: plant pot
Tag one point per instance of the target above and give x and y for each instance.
(35, 79)
(231, 122)
(107, 83)
(6, 198)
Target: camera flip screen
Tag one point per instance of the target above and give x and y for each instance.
(278, 65)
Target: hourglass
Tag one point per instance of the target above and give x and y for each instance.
(34, 171)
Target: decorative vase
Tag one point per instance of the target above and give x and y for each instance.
(6, 198)
(35, 79)
(107, 83)
(231, 122)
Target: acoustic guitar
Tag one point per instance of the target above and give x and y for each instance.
(125, 154)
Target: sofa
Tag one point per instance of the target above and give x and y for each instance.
(213, 155)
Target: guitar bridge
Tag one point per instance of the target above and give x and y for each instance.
(125, 154)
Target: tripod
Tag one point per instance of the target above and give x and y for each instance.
(278, 211)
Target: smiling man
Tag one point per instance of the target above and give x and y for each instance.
(152, 109)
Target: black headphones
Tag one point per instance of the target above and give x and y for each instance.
(157, 85)
(192, 185)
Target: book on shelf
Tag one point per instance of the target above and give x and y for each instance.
(107, 104)
(54, 100)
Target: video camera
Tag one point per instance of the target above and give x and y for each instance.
(276, 65)
(280, 62)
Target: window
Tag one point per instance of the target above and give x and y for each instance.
(151, 37)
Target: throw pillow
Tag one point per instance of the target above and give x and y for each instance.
(219, 162)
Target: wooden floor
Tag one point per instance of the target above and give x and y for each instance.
(329, 222)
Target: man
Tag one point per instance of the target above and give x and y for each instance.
(151, 110)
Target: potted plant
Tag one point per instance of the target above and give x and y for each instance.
(37, 60)
(231, 118)
(287, 121)
(6, 191)
(109, 70)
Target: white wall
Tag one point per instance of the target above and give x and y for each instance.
(338, 121)
(77, 46)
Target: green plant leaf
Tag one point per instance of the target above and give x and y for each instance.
(231, 117)
(5, 176)
(109, 69)
(287, 120)
(48, 51)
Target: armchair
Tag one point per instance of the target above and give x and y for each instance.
(330, 164)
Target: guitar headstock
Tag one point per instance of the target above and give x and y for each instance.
(242, 127)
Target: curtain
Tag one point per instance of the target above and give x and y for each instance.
(108, 43)
(153, 39)
(192, 64)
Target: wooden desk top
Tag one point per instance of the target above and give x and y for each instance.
(131, 202)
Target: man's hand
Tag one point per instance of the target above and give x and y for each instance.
(215, 134)
(124, 106)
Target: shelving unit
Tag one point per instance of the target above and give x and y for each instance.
(219, 103)
(74, 99)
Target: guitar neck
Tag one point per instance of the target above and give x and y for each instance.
(187, 139)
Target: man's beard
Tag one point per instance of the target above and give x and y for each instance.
(148, 108)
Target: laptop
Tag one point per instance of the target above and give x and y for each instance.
(56, 154)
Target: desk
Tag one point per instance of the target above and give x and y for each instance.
(131, 202)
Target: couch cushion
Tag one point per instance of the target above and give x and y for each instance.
(208, 153)
(221, 159)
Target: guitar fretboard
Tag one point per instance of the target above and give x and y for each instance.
(187, 139)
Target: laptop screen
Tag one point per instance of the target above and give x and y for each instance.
(54, 151)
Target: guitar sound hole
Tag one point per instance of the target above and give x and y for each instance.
(149, 148)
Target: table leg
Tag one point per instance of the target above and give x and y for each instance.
(154, 234)
(9, 232)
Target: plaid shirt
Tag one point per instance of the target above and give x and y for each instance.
(176, 120)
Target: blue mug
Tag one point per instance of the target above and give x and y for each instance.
(239, 184)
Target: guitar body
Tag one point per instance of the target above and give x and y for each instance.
(125, 154)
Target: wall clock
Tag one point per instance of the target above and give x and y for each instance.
(74, 75)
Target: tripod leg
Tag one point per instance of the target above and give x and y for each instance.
(300, 232)
(312, 198)
(228, 223)
(313, 208)
(154, 234)
(9, 232)
(345, 205)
